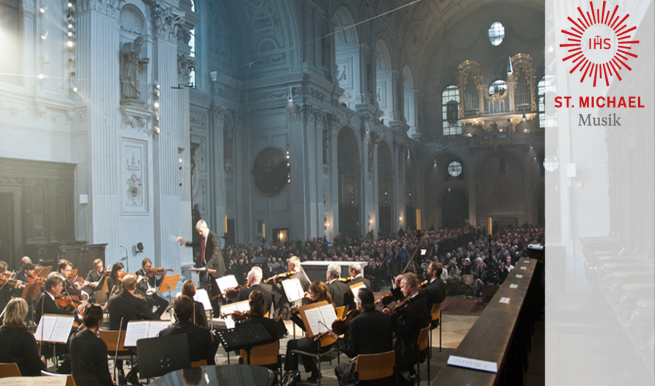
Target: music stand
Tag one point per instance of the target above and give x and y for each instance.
(100, 296)
(169, 284)
(42, 271)
(30, 293)
(244, 337)
(160, 356)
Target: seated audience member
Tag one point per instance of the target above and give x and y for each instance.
(201, 343)
(17, 344)
(88, 353)
(370, 332)
(199, 316)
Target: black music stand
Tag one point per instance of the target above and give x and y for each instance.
(160, 356)
(245, 336)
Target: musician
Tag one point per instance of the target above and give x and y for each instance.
(72, 288)
(293, 265)
(26, 260)
(7, 290)
(199, 316)
(17, 344)
(114, 284)
(317, 292)
(201, 343)
(258, 309)
(254, 284)
(88, 353)
(148, 286)
(95, 276)
(26, 271)
(355, 270)
(407, 324)
(210, 257)
(340, 291)
(435, 292)
(46, 304)
(370, 332)
(126, 306)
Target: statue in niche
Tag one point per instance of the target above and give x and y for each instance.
(130, 67)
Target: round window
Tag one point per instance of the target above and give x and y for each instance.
(496, 33)
(551, 163)
(455, 168)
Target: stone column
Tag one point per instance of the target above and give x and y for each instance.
(473, 215)
(217, 136)
(185, 64)
(333, 178)
(97, 61)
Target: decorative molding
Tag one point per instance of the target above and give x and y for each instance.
(109, 8)
(134, 172)
(166, 21)
(185, 64)
(136, 119)
(132, 20)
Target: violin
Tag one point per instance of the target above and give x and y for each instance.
(159, 271)
(400, 305)
(387, 299)
(346, 279)
(70, 302)
(6, 279)
(200, 270)
(232, 293)
(424, 284)
(239, 316)
(280, 276)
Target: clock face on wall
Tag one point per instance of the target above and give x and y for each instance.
(270, 171)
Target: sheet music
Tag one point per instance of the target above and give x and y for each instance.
(34, 381)
(202, 297)
(474, 364)
(293, 289)
(45, 327)
(355, 288)
(320, 318)
(54, 329)
(154, 328)
(134, 332)
(226, 282)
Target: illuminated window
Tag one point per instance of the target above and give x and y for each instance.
(450, 100)
(498, 87)
(496, 33)
(455, 168)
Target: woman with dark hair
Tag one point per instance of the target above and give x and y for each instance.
(88, 353)
(17, 344)
(114, 280)
(199, 316)
(317, 293)
(257, 302)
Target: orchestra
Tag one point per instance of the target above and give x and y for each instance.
(368, 326)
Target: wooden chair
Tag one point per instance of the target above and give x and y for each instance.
(370, 367)
(69, 378)
(9, 370)
(436, 316)
(340, 311)
(266, 355)
(199, 363)
(112, 341)
(423, 344)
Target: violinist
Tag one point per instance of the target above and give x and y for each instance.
(96, 275)
(355, 270)
(148, 286)
(340, 291)
(407, 323)
(199, 316)
(435, 291)
(317, 292)
(17, 344)
(88, 353)
(257, 302)
(46, 304)
(293, 265)
(72, 288)
(370, 332)
(6, 289)
(26, 273)
(114, 280)
(254, 284)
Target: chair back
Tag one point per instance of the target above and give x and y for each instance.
(69, 378)
(111, 339)
(436, 311)
(423, 338)
(199, 363)
(264, 355)
(160, 356)
(340, 311)
(9, 370)
(375, 366)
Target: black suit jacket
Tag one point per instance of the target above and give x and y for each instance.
(341, 294)
(93, 276)
(199, 338)
(17, 344)
(407, 325)
(362, 279)
(245, 293)
(46, 305)
(128, 307)
(434, 293)
(213, 254)
(88, 357)
(370, 332)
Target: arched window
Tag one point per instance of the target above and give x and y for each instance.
(450, 111)
(10, 46)
(541, 98)
(192, 44)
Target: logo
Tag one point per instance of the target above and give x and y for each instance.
(599, 43)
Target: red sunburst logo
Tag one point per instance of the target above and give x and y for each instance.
(599, 43)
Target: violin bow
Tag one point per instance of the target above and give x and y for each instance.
(3, 286)
(418, 248)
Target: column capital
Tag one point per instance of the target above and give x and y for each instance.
(166, 21)
(111, 8)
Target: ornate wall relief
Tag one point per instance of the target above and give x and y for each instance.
(134, 176)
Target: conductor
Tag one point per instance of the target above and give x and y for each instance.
(210, 257)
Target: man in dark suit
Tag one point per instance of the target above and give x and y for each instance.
(339, 291)
(46, 304)
(201, 343)
(408, 322)
(27, 270)
(95, 277)
(65, 268)
(293, 265)
(435, 291)
(370, 332)
(125, 306)
(148, 287)
(254, 284)
(355, 270)
(210, 257)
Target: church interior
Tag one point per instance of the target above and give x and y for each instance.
(316, 122)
